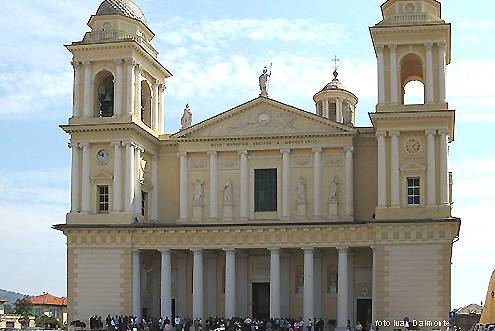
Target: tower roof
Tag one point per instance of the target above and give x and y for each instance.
(335, 84)
(125, 8)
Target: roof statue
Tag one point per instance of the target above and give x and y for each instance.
(264, 81)
(488, 314)
(125, 8)
(186, 119)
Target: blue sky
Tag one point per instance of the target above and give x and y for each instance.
(216, 49)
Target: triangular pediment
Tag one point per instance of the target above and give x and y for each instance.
(413, 166)
(264, 117)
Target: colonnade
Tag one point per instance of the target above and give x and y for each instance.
(311, 286)
(433, 178)
(244, 191)
(128, 77)
(131, 197)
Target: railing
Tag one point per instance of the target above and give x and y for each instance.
(98, 36)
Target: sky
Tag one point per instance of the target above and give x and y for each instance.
(216, 50)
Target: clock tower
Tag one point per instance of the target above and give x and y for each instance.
(412, 43)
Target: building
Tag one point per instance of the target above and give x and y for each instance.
(2, 306)
(264, 209)
(11, 320)
(488, 315)
(467, 317)
(50, 305)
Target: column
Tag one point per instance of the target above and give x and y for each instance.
(308, 300)
(138, 198)
(213, 185)
(74, 179)
(394, 170)
(211, 264)
(285, 275)
(338, 110)
(350, 287)
(285, 183)
(117, 96)
(441, 71)
(197, 284)
(429, 73)
(76, 106)
(343, 290)
(275, 283)
(444, 174)
(86, 194)
(230, 284)
(161, 90)
(136, 283)
(117, 176)
(431, 196)
(138, 90)
(183, 179)
(349, 181)
(324, 111)
(317, 182)
(381, 74)
(244, 169)
(394, 85)
(131, 82)
(129, 176)
(154, 107)
(154, 189)
(382, 169)
(317, 286)
(373, 289)
(88, 91)
(166, 284)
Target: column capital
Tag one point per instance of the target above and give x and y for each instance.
(116, 143)
(136, 250)
(274, 249)
(443, 132)
(308, 249)
(284, 150)
(349, 149)
(431, 131)
(379, 48)
(73, 145)
(180, 154)
(381, 134)
(394, 133)
(130, 61)
(317, 150)
(245, 152)
(128, 143)
(86, 63)
(197, 250)
(76, 64)
(139, 148)
(118, 62)
(229, 250)
(84, 145)
(342, 248)
(165, 251)
(428, 45)
(392, 47)
(442, 45)
(211, 153)
(162, 87)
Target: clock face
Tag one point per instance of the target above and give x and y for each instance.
(102, 157)
(413, 146)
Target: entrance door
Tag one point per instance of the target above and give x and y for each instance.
(364, 313)
(173, 309)
(261, 300)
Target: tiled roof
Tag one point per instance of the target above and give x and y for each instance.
(48, 299)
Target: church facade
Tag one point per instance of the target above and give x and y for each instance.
(263, 210)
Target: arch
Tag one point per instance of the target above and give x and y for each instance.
(411, 69)
(104, 91)
(145, 111)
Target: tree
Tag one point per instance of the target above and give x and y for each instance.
(48, 322)
(24, 307)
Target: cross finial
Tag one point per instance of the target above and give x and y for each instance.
(335, 60)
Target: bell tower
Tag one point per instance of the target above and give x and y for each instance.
(412, 43)
(117, 76)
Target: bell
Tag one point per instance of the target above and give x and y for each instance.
(108, 95)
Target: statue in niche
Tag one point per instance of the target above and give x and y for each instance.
(334, 189)
(301, 189)
(105, 98)
(198, 193)
(263, 81)
(347, 112)
(186, 119)
(228, 192)
(142, 169)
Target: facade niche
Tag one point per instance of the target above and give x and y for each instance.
(145, 111)
(412, 79)
(104, 84)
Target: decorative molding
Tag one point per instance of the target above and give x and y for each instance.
(198, 163)
(332, 160)
(302, 161)
(230, 163)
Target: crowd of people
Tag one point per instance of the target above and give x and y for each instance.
(131, 323)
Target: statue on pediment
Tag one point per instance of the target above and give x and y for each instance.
(186, 119)
(264, 81)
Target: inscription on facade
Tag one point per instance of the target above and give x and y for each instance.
(274, 143)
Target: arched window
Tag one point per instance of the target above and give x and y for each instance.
(412, 79)
(104, 94)
(145, 111)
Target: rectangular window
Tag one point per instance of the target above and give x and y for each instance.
(103, 198)
(265, 190)
(144, 203)
(332, 111)
(413, 196)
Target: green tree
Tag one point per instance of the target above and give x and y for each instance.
(48, 322)
(23, 307)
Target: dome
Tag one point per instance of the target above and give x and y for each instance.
(125, 8)
(335, 84)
